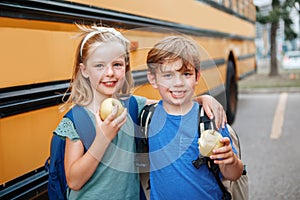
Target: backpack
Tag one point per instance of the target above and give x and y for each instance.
(236, 190)
(239, 189)
(57, 184)
(54, 165)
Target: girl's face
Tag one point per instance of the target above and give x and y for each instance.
(105, 68)
(175, 84)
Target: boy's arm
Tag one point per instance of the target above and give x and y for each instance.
(211, 106)
(230, 165)
(213, 109)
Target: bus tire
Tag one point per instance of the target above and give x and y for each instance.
(231, 93)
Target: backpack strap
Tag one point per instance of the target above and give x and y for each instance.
(145, 118)
(204, 123)
(142, 145)
(216, 171)
(132, 108)
(142, 148)
(83, 125)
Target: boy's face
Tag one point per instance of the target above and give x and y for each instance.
(176, 84)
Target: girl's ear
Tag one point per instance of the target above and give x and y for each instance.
(83, 70)
(152, 79)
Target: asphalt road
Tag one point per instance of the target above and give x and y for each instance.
(271, 156)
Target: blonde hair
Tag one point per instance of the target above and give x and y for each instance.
(173, 48)
(80, 87)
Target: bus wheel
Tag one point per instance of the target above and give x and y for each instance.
(231, 93)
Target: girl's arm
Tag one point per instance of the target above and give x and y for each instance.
(213, 109)
(80, 166)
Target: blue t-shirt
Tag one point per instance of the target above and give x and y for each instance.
(173, 146)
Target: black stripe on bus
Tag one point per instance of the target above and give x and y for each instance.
(20, 99)
(227, 10)
(245, 57)
(69, 12)
(242, 76)
(30, 185)
(206, 64)
(140, 77)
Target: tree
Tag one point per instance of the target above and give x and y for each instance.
(279, 11)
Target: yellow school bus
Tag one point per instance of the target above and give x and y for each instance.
(37, 51)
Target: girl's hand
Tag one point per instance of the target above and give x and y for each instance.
(112, 124)
(225, 154)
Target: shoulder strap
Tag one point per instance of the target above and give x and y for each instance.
(205, 123)
(83, 124)
(145, 118)
(216, 170)
(132, 108)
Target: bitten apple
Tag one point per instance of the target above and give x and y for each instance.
(209, 140)
(107, 106)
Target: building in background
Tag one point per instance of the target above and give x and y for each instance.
(263, 32)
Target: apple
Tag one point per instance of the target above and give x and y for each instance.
(107, 106)
(209, 140)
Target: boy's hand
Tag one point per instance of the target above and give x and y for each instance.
(225, 154)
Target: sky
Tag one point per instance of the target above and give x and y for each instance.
(261, 2)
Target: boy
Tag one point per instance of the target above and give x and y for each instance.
(174, 70)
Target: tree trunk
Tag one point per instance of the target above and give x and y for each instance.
(274, 68)
(274, 27)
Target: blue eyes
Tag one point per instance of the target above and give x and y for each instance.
(118, 65)
(187, 74)
(115, 65)
(99, 66)
(167, 75)
(170, 75)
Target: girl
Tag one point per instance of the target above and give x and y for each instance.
(106, 170)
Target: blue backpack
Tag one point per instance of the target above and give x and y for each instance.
(57, 184)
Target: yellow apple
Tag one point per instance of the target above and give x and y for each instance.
(209, 140)
(107, 106)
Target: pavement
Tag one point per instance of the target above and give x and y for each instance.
(261, 82)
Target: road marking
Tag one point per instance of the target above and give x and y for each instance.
(279, 117)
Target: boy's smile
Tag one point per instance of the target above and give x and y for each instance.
(177, 94)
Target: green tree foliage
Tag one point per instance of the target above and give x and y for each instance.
(279, 11)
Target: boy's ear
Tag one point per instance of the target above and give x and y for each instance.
(152, 79)
(198, 76)
(83, 70)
